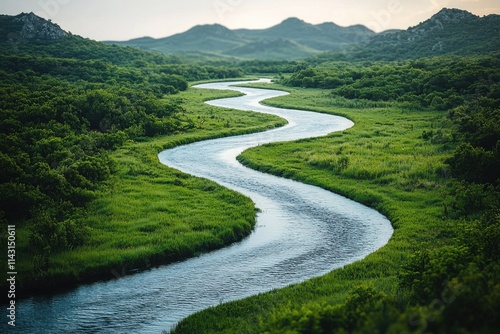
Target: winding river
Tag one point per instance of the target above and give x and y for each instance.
(302, 232)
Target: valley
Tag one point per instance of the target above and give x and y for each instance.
(404, 124)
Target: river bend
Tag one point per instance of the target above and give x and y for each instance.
(302, 231)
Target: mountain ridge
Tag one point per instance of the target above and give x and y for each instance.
(304, 39)
(449, 31)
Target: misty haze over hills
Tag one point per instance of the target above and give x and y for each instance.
(450, 31)
(293, 38)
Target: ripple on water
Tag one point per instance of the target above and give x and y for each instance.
(302, 232)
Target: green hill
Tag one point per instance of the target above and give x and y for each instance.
(272, 49)
(450, 31)
(291, 39)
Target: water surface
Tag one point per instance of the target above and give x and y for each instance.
(302, 232)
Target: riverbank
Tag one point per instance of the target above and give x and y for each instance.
(382, 162)
(148, 214)
(299, 227)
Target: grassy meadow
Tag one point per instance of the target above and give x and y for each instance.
(382, 162)
(148, 214)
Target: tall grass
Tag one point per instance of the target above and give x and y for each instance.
(382, 162)
(149, 214)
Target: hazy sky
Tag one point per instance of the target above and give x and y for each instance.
(126, 19)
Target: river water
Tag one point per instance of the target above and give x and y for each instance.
(302, 232)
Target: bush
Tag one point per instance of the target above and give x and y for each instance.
(445, 283)
(475, 164)
(365, 310)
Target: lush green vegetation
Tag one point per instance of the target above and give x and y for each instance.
(81, 125)
(149, 214)
(76, 47)
(439, 83)
(433, 173)
(449, 32)
(76, 133)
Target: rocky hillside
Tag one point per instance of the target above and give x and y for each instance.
(450, 31)
(29, 27)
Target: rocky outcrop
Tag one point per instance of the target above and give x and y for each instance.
(32, 27)
(450, 31)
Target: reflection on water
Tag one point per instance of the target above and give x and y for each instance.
(302, 232)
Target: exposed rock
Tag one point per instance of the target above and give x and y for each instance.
(453, 15)
(37, 28)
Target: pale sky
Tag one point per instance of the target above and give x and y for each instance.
(127, 19)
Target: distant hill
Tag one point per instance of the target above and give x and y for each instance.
(207, 38)
(450, 31)
(271, 49)
(291, 39)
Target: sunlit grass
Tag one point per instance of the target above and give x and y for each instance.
(382, 162)
(149, 214)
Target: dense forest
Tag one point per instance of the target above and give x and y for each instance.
(64, 107)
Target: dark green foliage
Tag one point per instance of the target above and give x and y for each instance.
(365, 310)
(426, 275)
(437, 83)
(466, 199)
(477, 158)
(269, 66)
(475, 164)
(64, 106)
(453, 278)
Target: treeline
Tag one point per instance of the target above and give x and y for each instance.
(270, 66)
(78, 48)
(96, 72)
(440, 83)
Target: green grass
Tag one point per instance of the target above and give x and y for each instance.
(149, 214)
(382, 162)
